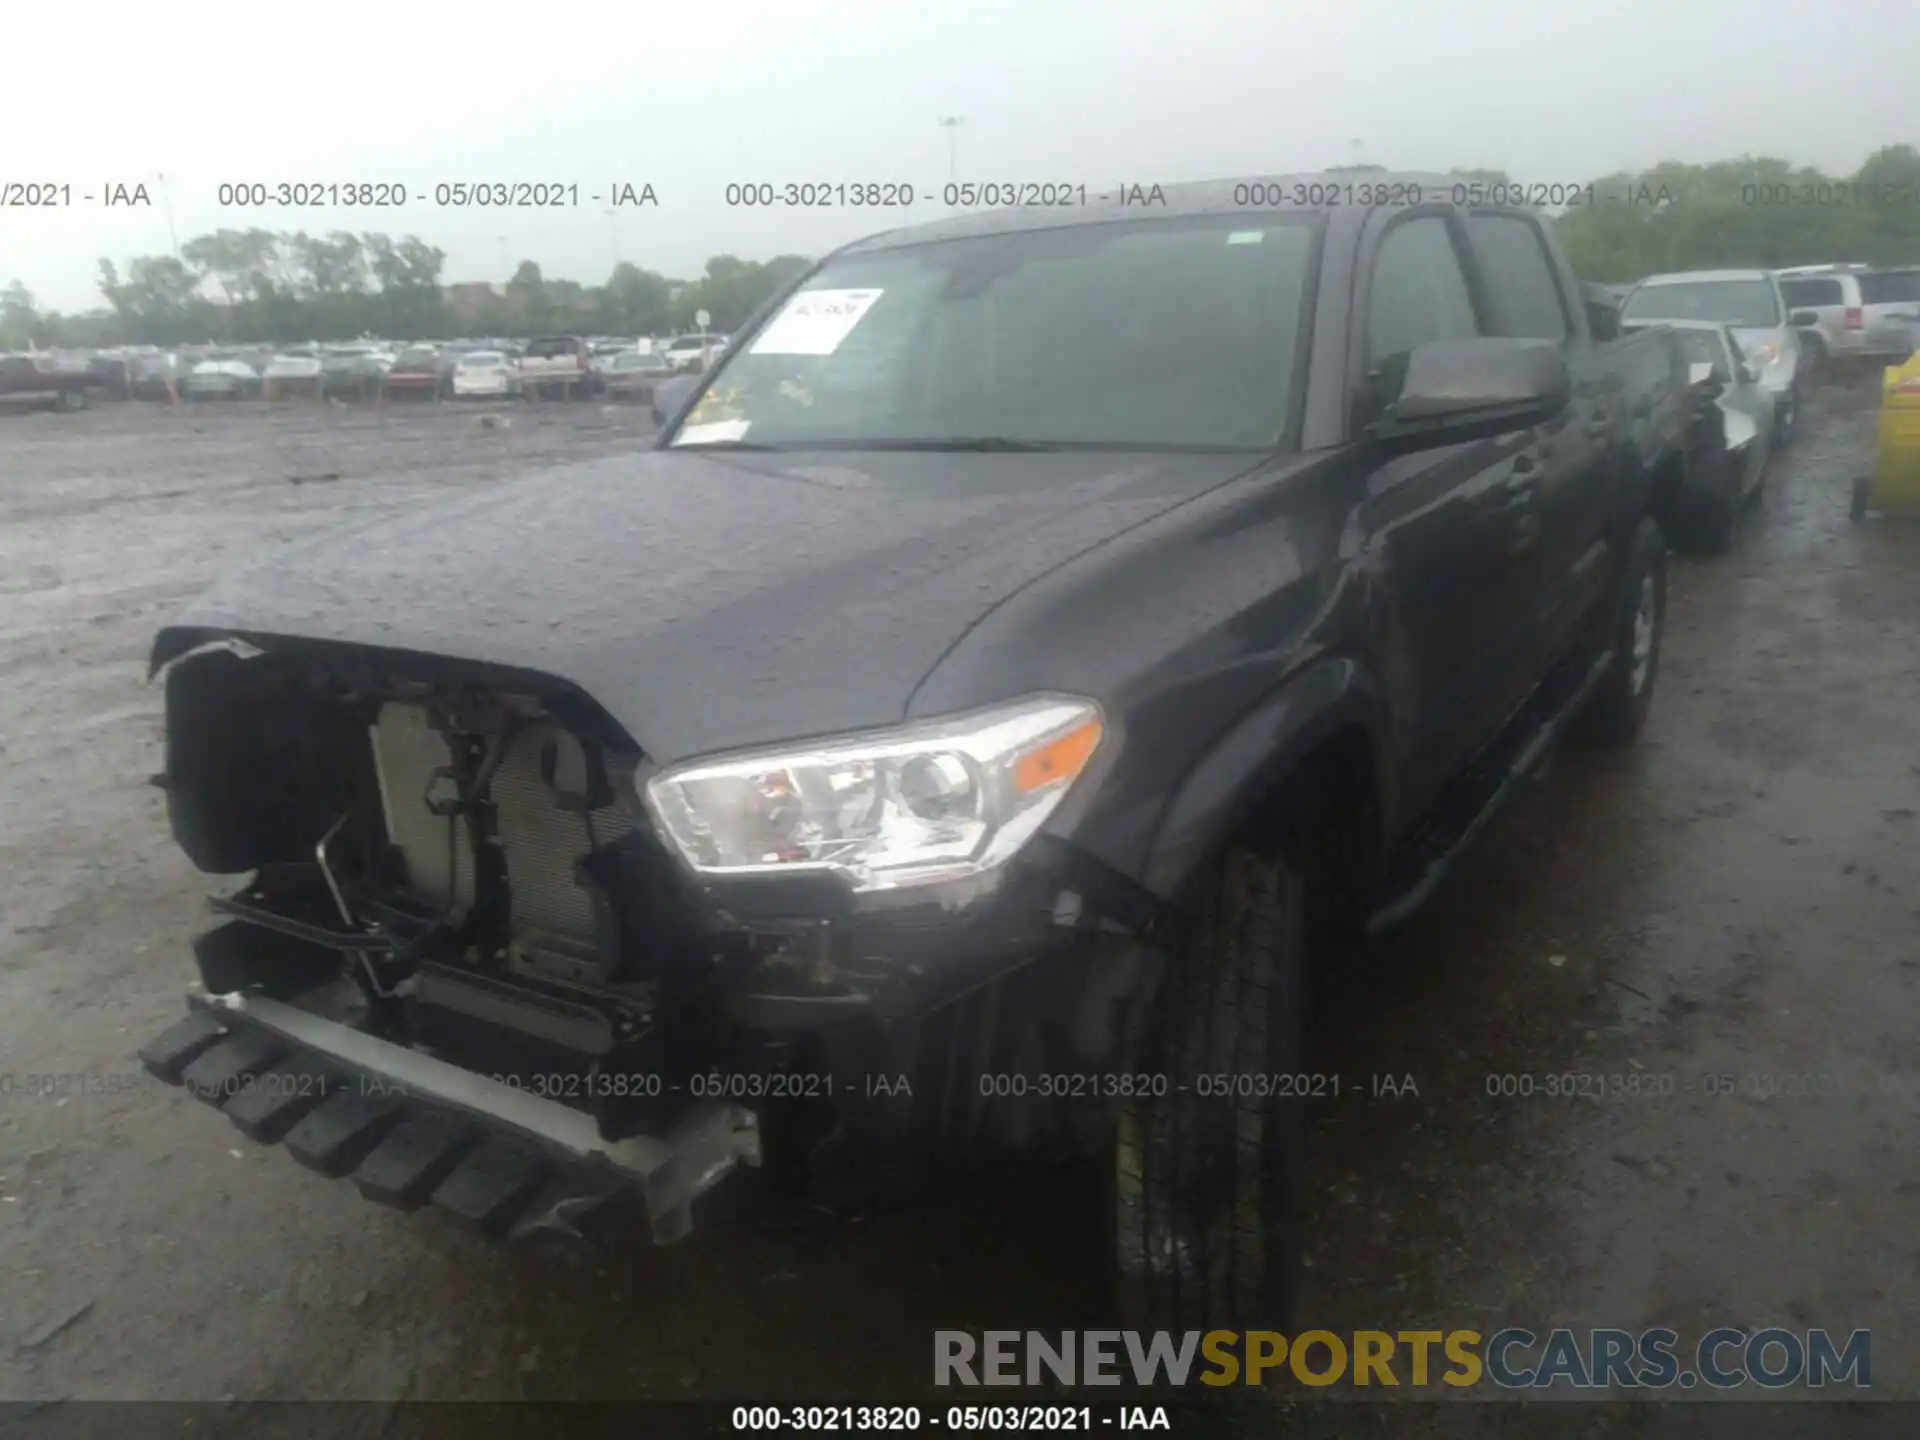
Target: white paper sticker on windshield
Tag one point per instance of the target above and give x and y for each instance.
(1246, 237)
(815, 322)
(716, 432)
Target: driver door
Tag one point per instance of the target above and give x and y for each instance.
(1454, 532)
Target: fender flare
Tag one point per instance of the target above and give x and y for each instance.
(1243, 764)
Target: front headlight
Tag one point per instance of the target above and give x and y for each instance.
(1765, 352)
(936, 800)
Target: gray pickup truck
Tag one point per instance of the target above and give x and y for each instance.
(1044, 642)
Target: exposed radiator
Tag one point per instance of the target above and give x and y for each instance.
(541, 840)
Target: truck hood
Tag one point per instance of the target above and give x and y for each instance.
(709, 601)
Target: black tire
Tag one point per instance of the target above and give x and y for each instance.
(1787, 426)
(1709, 523)
(1813, 358)
(73, 399)
(1618, 708)
(1205, 1202)
(1752, 497)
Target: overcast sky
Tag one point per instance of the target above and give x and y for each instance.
(688, 97)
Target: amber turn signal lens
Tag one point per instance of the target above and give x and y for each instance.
(1057, 760)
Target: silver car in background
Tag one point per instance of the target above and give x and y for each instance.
(1890, 305)
(1749, 302)
(1828, 304)
(1729, 432)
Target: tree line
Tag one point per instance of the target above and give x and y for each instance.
(263, 285)
(284, 287)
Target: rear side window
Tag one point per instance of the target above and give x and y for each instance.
(1811, 294)
(1419, 292)
(1890, 287)
(1521, 286)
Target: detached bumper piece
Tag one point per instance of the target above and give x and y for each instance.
(413, 1130)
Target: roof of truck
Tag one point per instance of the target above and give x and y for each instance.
(1144, 200)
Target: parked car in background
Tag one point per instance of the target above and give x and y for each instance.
(158, 376)
(633, 376)
(670, 394)
(115, 374)
(558, 365)
(1890, 302)
(418, 373)
(1729, 436)
(1748, 300)
(354, 372)
(291, 375)
(1854, 313)
(223, 376)
(485, 372)
(695, 353)
(41, 381)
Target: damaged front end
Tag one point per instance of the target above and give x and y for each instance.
(468, 970)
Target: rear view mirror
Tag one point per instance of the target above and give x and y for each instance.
(1803, 318)
(1456, 390)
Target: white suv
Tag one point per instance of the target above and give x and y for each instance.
(1857, 312)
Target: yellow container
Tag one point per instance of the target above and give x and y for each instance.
(1895, 484)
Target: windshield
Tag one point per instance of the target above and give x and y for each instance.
(1890, 287)
(417, 358)
(482, 360)
(1750, 303)
(551, 349)
(1148, 334)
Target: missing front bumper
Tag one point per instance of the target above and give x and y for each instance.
(412, 1129)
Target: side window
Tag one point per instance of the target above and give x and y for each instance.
(1521, 285)
(1418, 293)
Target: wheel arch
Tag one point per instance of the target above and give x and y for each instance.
(1316, 748)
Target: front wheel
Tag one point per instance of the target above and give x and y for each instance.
(1636, 622)
(73, 399)
(1205, 1226)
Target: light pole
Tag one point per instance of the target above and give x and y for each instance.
(951, 124)
(166, 204)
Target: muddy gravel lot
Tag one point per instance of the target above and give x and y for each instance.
(1737, 897)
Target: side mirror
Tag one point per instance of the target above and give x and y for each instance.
(1456, 390)
(1803, 318)
(1707, 378)
(1603, 319)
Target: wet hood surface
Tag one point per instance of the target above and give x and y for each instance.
(709, 601)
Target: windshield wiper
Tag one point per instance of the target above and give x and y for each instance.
(976, 444)
(722, 445)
